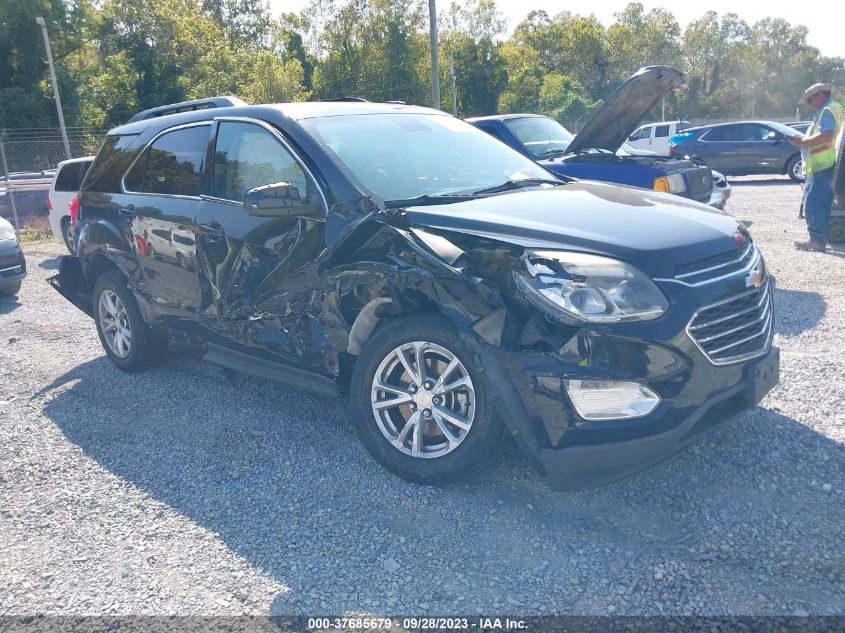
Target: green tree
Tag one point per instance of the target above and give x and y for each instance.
(640, 39)
(469, 35)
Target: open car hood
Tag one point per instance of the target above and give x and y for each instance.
(623, 110)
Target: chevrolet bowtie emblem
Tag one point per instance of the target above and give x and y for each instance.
(755, 278)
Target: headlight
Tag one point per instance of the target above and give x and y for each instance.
(579, 288)
(6, 231)
(676, 183)
(673, 183)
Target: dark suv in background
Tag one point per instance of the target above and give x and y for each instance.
(744, 148)
(452, 287)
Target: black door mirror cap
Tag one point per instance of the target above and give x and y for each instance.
(278, 199)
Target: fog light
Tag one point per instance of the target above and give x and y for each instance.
(607, 400)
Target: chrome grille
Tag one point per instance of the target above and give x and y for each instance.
(712, 269)
(735, 329)
(700, 181)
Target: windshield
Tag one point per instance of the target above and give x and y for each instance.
(407, 155)
(541, 135)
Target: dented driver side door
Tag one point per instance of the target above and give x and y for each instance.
(258, 275)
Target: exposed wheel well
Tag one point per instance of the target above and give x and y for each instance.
(375, 315)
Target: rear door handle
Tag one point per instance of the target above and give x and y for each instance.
(128, 211)
(213, 232)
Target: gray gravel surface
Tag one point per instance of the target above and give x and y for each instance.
(184, 490)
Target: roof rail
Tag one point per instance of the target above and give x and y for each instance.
(187, 106)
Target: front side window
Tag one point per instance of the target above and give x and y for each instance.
(641, 134)
(247, 156)
(754, 132)
(409, 154)
(173, 164)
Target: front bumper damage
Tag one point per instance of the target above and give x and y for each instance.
(696, 397)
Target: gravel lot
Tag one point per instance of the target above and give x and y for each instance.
(185, 490)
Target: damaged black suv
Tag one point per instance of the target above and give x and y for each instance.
(455, 289)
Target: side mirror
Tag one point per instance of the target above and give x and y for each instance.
(279, 199)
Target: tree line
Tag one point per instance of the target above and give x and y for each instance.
(115, 57)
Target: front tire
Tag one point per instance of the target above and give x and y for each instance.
(795, 169)
(419, 405)
(128, 341)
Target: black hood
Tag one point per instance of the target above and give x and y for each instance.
(654, 231)
(623, 110)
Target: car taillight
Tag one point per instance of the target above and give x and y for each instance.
(73, 205)
(673, 149)
(49, 204)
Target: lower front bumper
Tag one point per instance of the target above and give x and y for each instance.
(12, 263)
(576, 454)
(578, 467)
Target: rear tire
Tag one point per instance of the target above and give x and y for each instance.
(127, 339)
(795, 169)
(445, 426)
(68, 236)
(836, 231)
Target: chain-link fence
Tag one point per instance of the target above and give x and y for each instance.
(28, 159)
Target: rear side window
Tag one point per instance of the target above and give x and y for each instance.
(70, 176)
(111, 163)
(493, 132)
(173, 164)
(661, 131)
(724, 133)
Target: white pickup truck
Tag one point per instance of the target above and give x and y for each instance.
(655, 136)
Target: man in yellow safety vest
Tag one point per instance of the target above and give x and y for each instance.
(818, 149)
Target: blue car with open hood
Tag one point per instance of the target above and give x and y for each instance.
(599, 151)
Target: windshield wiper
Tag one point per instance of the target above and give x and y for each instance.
(549, 153)
(510, 185)
(447, 198)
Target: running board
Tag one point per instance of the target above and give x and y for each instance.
(293, 376)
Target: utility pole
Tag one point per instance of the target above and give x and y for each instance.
(435, 63)
(43, 26)
(663, 109)
(454, 92)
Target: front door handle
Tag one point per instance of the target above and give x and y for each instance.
(213, 231)
(128, 211)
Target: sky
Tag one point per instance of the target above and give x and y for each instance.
(824, 32)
